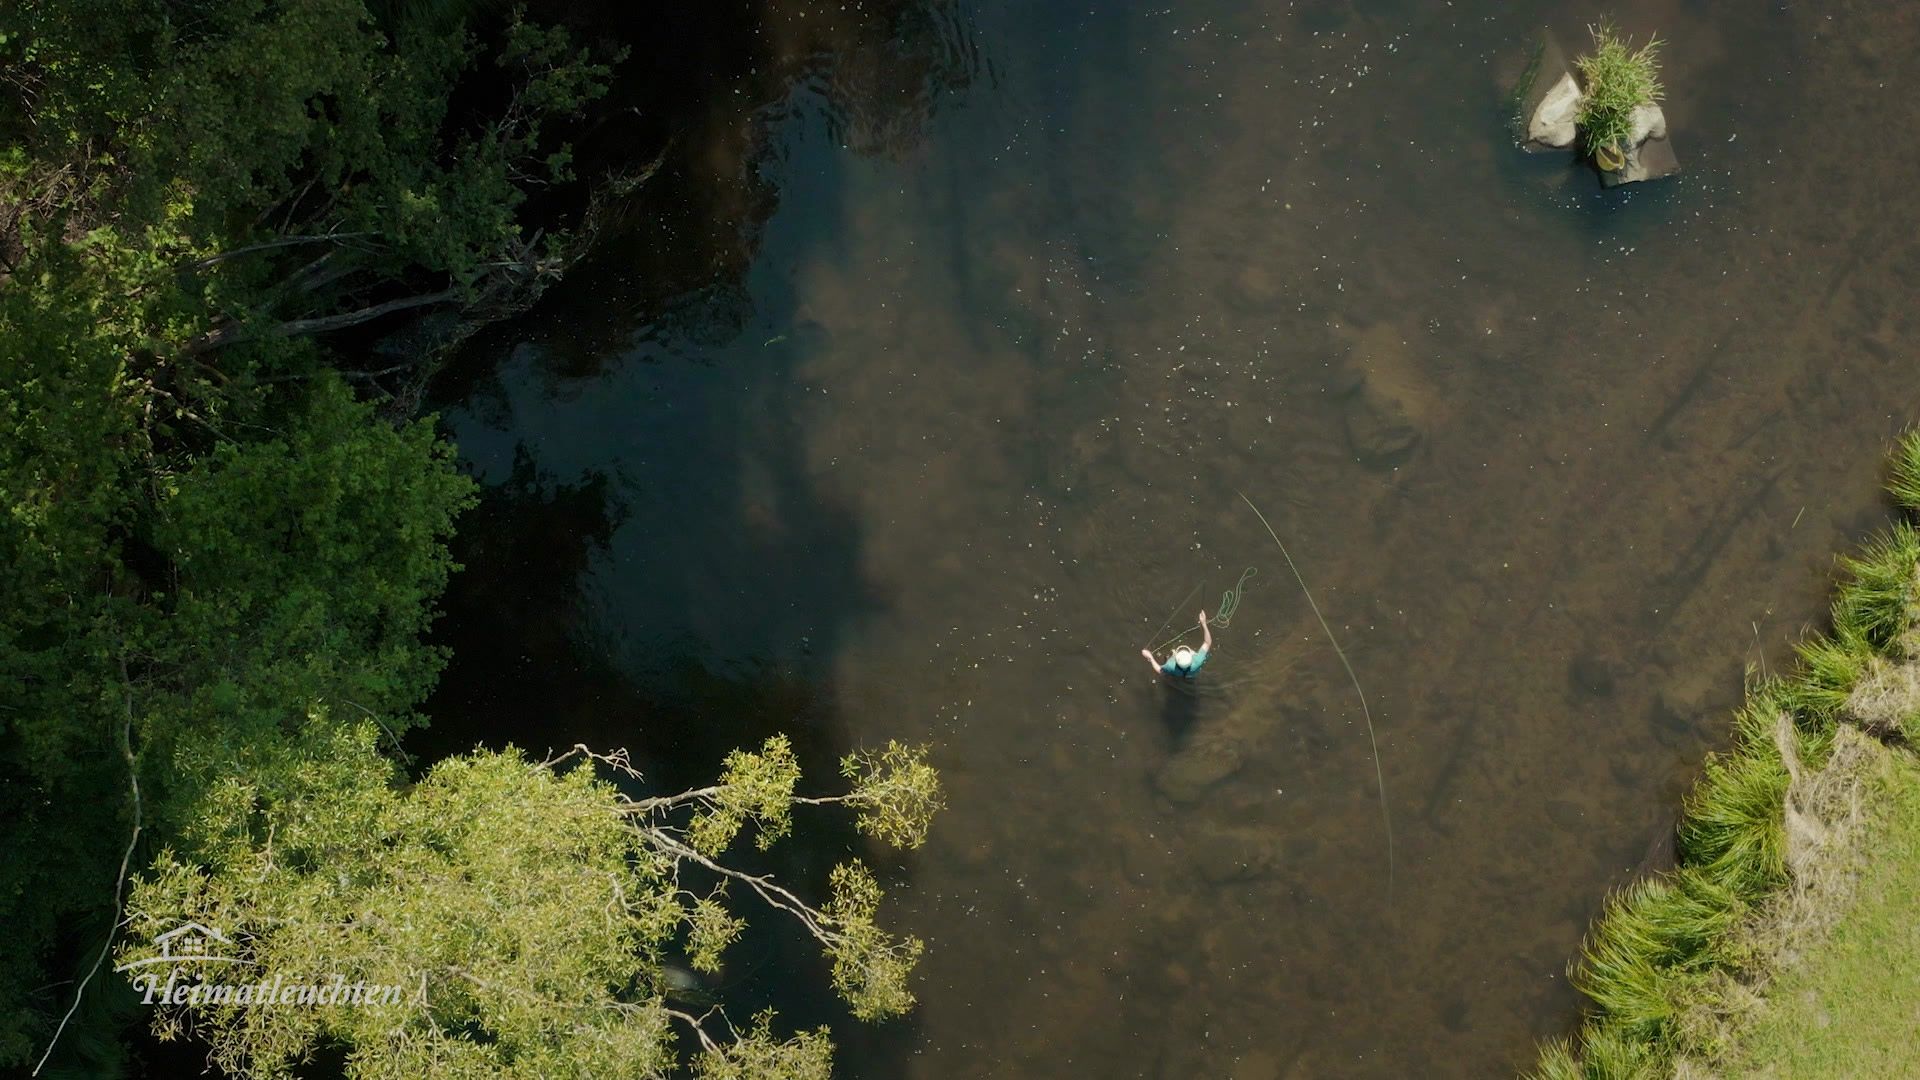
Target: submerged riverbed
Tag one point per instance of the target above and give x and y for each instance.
(928, 387)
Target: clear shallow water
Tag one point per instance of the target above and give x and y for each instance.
(926, 390)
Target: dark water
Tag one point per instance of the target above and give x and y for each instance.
(925, 387)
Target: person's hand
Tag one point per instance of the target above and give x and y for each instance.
(1203, 618)
(1148, 653)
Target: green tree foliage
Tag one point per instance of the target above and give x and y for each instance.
(218, 564)
(303, 568)
(184, 540)
(896, 791)
(68, 452)
(299, 568)
(246, 168)
(524, 909)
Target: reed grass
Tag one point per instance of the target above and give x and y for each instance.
(1877, 601)
(1732, 830)
(1663, 948)
(1637, 962)
(1829, 667)
(1903, 478)
(1619, 79)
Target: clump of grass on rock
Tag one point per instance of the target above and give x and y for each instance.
(1619, 80)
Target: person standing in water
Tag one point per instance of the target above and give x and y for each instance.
(1184, 662)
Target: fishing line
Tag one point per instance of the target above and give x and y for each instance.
(1222, 617)
(1230, 600)
(1176, 610)
(1372, 741)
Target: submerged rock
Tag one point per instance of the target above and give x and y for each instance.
(1202, 764)
(1566, 814)
(1380, 426)
(1385, 411)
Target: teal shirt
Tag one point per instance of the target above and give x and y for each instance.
(1171, 668)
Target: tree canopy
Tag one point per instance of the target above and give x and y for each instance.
(221, 547)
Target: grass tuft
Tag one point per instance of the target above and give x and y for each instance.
(1619, 79)
(1904, 475)
(1659, 962)
(1608, 1056)
(1753, 723)
(1733, 829)
(1611, 1055)
(1557, 1062)
(1829, 668)
(1876, 602)
(1653, 934)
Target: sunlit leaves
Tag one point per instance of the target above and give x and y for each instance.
(710, 929)
(896, 791)
(760, 1055)
(527, 911)
(870, 966)
(756, 788)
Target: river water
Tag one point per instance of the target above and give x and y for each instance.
(926, 382)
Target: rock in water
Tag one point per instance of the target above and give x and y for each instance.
(1380, 429)
(1385, 412)
(1552, 123)
(1546, 98)
(1648, 123)
(1651, 156)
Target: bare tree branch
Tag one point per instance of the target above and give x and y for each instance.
(232, 334)
(120, 882)
(269, 245)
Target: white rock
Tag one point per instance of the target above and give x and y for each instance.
(1552, 122)
(1648, 123)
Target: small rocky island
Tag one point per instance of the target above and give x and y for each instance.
(1605, 106)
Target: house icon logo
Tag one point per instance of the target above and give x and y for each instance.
(189, 948)
(189, 942)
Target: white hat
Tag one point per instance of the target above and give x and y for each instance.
(1183, 657)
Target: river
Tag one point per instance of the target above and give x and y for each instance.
(928, 382)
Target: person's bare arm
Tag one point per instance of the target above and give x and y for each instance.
(1206, 633)
(1148, 653)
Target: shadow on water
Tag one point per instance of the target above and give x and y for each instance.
(1179, 708)
(684, 599)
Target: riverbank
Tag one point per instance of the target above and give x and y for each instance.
(1784, 942)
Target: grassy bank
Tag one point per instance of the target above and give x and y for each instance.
(1849, 1008)
(1681, 970)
